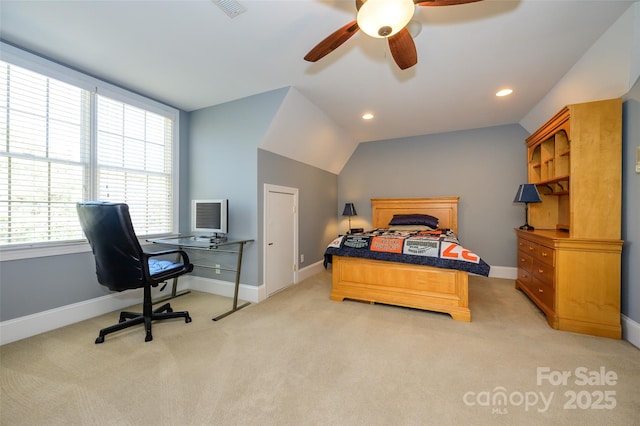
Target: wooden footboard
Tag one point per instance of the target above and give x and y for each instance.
(413, 286)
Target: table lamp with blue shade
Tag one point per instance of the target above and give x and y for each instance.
(527, 193)
(349, 210)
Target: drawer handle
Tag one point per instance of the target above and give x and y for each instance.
(544, 254)
(531, 248)
(540, 270)
(540, 290)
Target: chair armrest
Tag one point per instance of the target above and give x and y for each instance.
(186, 263)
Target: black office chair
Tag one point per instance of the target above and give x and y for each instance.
(121, 264)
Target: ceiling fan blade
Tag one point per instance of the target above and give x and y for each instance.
(442, 2)
(332, 42)
(403, 49)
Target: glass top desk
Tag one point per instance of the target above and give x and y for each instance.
(217, 245)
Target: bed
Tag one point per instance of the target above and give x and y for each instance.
(433, 288)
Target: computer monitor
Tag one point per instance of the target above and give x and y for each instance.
(210, 217)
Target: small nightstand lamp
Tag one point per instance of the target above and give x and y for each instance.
(349, 210)
(527, 193)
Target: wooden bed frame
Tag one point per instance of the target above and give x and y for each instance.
(402, 284)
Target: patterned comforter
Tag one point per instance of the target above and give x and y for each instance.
(439, 248)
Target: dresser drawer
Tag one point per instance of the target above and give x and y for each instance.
(525, 265)
(526, 246)
(538, 251)
(544, 273)
(545, 294)
(524, 276)
(525, 260)
(544, 254)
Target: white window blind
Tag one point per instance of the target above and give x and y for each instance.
(51, 157)
(45, 135)
(134, 163)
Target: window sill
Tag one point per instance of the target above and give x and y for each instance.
(35, 251)
(29, 252)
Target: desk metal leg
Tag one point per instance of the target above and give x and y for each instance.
(237, 287)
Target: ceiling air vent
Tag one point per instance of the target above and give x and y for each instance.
(231, 7)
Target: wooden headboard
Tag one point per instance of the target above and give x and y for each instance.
(444, 208)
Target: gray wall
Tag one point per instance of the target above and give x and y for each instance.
(630, 290)
(223, 163)
(29, 286)
(482, 166)
(317, 193)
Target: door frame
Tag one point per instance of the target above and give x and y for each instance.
(286, 190)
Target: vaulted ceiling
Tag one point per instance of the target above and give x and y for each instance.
(190, 54)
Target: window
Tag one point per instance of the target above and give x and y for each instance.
(62, 143)
(134, 163)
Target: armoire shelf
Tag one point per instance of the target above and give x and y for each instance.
(556, 186)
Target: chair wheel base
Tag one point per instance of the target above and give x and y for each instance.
(129, 319)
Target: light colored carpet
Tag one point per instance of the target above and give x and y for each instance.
(299, 358)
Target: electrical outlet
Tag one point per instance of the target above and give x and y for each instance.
(302, 258)
(638, 159)
(217, 269)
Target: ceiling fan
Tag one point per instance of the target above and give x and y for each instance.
(382, 19)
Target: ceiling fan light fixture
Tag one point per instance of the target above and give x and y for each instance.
(384, 18)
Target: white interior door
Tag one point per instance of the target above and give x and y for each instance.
(281, 237)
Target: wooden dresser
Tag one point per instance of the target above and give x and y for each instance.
(569, 266)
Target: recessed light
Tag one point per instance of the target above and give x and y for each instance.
(504, 92)
(367, 116)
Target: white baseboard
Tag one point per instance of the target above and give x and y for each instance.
(249, 293)
(630, 330)
(30, 325)
(309, 271)
(507, 272)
